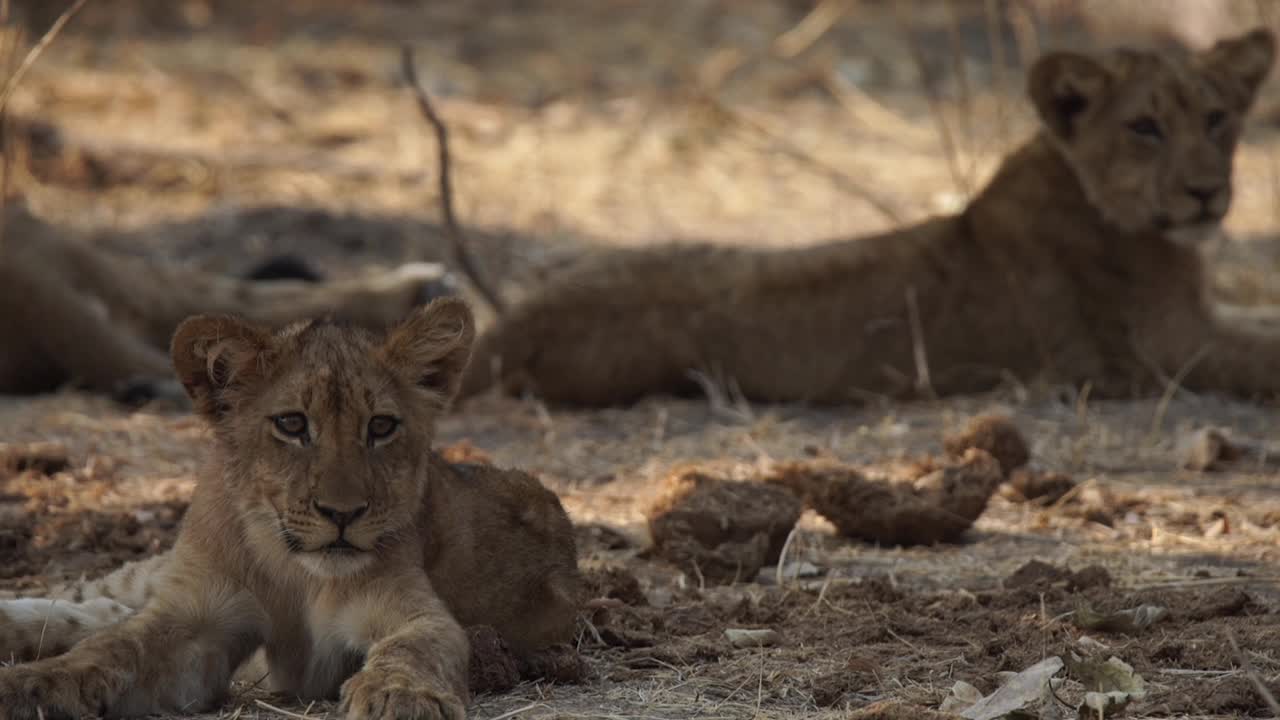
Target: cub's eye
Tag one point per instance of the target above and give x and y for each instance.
(1146, 127)
(1214, 120)
(382, 427)
(292, 425)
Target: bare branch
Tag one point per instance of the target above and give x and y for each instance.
(34, 53)
(456, 234)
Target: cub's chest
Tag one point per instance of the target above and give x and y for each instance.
(314, 651)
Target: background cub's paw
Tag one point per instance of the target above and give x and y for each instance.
(381, 695)
(53, 690)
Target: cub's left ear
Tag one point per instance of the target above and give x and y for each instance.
(1244, 61)
(431, 347)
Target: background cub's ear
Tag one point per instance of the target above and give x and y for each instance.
(212, 353)
(1063, 86)
(431, 347)
(1244, 61)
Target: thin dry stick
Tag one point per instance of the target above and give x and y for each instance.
(9, 43)
(837, 177)
(34, 53)
(812, 27)
(282, 711)
(779, 575)
(517, 711)
(456, 234)
(870, 112)
(936, 109)
(1025, 34)
(1172, 387)
(1249, 672)
(960, 65)
(999, 66)
(924, 384)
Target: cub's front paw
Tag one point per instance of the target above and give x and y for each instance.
(391, 695)
(55, 689)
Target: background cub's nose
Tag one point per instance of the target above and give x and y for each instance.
(1203, 193)
(342, 517)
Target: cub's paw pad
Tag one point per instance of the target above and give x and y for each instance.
(372, 695)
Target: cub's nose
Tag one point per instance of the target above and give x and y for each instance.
(1204, 193)
(342, 517)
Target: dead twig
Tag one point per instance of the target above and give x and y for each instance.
(1173, 386)
(949, 148)
(459, 239)
(814, 25)
(282, 711)
(36, 51)
(10, 40)
(837, 177)
(919, 351)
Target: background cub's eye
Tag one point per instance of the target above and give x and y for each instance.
(1146, 127)
(381, 427)
(1214, 120)
(291, 424)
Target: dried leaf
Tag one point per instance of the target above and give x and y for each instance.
(1022, 690)
(1110, 686)
(962, 696)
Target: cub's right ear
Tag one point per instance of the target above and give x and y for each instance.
(213, 354)
(1063, 86)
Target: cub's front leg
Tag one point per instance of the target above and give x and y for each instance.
(416, 666)
(176, 655)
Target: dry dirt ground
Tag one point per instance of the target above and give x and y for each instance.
(216, 133)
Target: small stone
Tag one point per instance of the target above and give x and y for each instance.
(751, 638)
(1208, 449)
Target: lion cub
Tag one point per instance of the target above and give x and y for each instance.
(1075, 265)
(325, 529)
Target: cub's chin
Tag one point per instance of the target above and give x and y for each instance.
(1194, 235)
(335, 563)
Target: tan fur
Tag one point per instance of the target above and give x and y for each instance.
(60, 295)
(434, 546)
(1070, 266)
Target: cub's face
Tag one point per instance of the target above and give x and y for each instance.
(326, 428)
(1151, 135)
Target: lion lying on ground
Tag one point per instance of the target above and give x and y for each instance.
(1075, 264)
(323, 528)
(72, 313)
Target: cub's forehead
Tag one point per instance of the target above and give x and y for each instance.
(1173, 80)
(326, 364)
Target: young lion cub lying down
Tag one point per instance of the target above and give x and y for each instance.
(324, 528)
(1072, 266)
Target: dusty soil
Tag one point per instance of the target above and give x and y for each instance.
(215, 134)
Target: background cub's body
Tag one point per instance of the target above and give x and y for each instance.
(1066, 267)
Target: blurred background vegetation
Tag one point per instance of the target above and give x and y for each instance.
(217, 131)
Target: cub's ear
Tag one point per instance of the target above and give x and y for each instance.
(1063, 86)
(431, 347)
(214, 353)
(1244, 61)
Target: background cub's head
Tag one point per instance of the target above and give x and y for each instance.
(1151, 135)
(323, 428)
